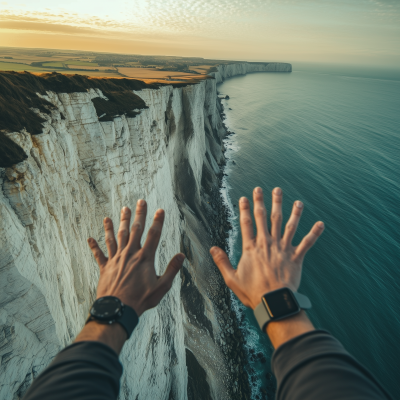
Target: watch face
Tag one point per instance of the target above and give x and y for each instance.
(106, 308)
(281, 303)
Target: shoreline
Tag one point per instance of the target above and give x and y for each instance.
(251, 347)
(235, 307)
(232, 341)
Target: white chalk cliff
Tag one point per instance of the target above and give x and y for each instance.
(226, 71)
(80, 170)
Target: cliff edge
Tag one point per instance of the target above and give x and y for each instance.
(226, 71)
(84, 164)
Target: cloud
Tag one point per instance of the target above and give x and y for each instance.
(207, 18)
(204, 18)
(35, 25)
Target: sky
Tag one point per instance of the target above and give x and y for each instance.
(327, 31)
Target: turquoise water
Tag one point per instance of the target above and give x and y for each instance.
(331, 139)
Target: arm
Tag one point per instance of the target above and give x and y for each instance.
(307, 363)
(89, 369)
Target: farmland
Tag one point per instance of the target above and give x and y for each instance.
(148, 68)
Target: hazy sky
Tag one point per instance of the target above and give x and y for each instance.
(344, 31)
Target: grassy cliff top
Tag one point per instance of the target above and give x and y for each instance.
(19, 95)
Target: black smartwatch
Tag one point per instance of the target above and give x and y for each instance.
(280, 304)
(110, 309)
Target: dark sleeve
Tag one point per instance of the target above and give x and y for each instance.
(84, 370)
(316, 366)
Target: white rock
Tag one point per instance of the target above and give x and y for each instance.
(226, 71)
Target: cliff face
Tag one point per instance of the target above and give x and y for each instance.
(80, 170)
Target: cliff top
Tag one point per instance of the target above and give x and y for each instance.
(19, 95)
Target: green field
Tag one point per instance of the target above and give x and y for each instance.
(57, 64)
(64, 64)
(91, 73)
(83, 63)
(6, 66)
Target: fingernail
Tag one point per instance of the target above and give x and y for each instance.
(243, 199)
(213, 250)
(125, 210)
(159, 211)
(107, 220)
(321, 225)
(258, 190)
(181, 257)
(278, 191)
(299, 204)
(141, 202)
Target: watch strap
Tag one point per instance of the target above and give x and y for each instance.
(303, 301)
(263, 317)
(128, 320)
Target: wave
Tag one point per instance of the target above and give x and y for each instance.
(252, 346)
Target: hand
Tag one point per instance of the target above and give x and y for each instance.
(128, 273)
(269, 261)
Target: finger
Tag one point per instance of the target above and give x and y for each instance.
(97, 253)
(246, 224)
(166, 280)
(276, 214)
(309, 240)
(138, 225)
(292, 223)
(154, 234)
(260, 213)
(109, 237)
(123, 231)
(224, 265)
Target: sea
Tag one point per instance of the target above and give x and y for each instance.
(329, 136)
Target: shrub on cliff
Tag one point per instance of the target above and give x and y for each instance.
(10, 152)
(18, 94)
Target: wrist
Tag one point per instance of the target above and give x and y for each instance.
(112, 335)
(280, 332)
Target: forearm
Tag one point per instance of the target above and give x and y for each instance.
(314, 365)
(87, 370)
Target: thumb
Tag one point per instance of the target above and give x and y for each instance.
(174, 266)
(224, 265)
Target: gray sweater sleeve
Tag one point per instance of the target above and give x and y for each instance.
(315, 366)
(82, 371)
